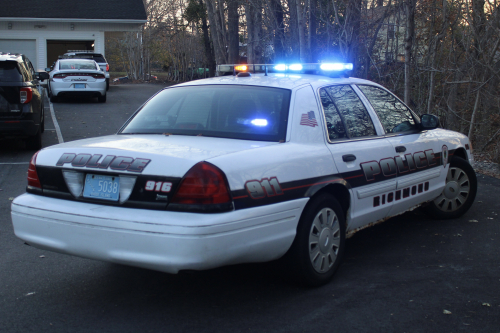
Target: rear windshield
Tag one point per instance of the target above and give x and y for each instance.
(96, 57)
(227, 111)
(76, 64)
(9, 71)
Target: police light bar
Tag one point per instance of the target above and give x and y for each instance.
(330, 68)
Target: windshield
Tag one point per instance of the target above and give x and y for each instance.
(227, 111)
(77, 64)
(93, 56)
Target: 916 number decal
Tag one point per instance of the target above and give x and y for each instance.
(265, 187)
(165, 187)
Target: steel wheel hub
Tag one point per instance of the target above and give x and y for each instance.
(456, 191)
(324, 240)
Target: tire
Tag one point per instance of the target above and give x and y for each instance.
(459, 192)
(107, 84)
(53, 99)
(319, 245)
(101, 99)
(42, 120)
(35, 142)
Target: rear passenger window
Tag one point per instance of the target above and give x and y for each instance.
(352, 111)
(9, 71)
(334, 123)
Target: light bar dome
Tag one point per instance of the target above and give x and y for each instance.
(336, 66)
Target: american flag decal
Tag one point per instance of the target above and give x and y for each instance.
(308, 119)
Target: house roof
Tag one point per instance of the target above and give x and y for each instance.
(75, 9)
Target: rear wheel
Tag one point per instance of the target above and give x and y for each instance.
(107, 84)
(458, 194)
(102, 99)
(35, 142)
(319, 245)
(42, 120)
(53, 99)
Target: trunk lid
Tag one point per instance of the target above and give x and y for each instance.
(159, 155)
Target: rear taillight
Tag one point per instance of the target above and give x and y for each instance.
(59, 76)
(26, 94)
(33, 180)
(107, 67)
(203, 184)
(98, 76)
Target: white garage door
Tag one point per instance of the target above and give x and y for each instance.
(24, 46)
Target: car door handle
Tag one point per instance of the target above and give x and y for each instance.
(348, 158)
(400, 149)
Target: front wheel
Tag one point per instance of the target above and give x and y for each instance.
(319, 245)
(458, 194)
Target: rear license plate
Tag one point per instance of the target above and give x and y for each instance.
(79, 85)
(102, 187)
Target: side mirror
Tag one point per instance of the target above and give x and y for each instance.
(429, 121)
(48, 69)
(43, 75)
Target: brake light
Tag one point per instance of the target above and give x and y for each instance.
(98, 76)
(203, 184)
(33, 180)
(26, 94)
(107, 67)
(59, 76)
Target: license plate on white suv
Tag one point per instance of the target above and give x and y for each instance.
(79, 85)
(102, 187)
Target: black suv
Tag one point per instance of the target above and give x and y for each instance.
(21, 100)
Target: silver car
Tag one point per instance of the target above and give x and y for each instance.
(77, 77)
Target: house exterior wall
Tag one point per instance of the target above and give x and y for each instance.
(41, 31)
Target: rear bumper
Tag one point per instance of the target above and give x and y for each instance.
(18, 128)
(92, 89)
(160, 240)
(87, 93)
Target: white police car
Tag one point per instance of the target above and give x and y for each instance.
(245, 168)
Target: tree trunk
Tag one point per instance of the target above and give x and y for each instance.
(209, 51)
(294, 30)
(216, 33)
(410, 31)
(312, 31)
(279, 30)
(303, 54)
(232, 30)
(254, 27)
(352, 30)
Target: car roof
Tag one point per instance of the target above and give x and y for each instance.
(76, 59)
(277, 80)
(82, 52)
(11, 57)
